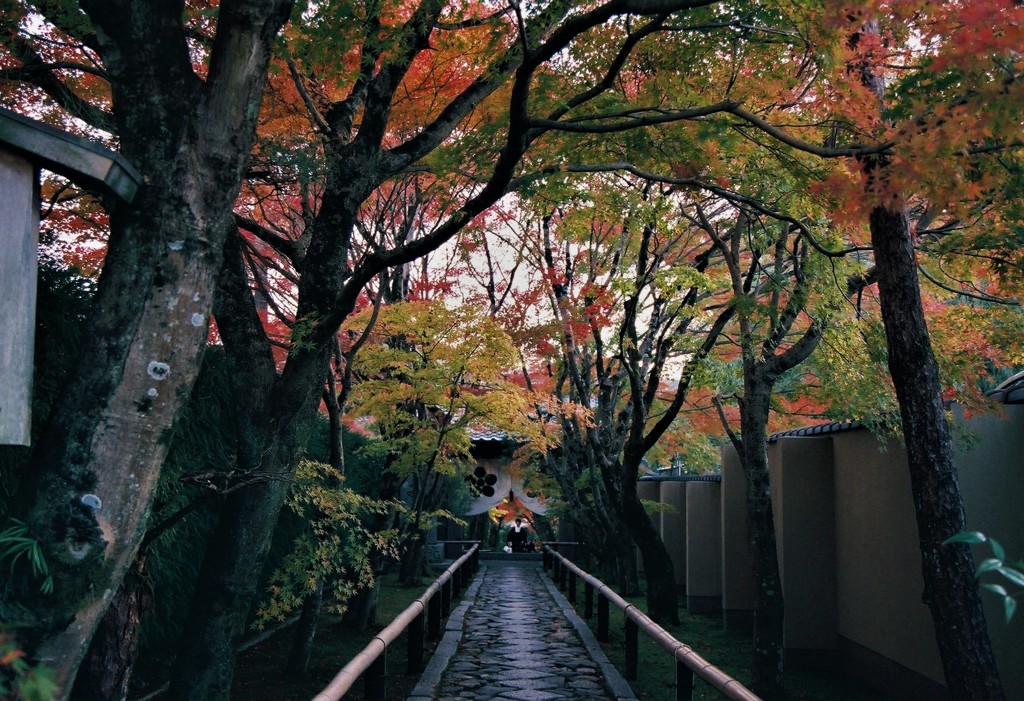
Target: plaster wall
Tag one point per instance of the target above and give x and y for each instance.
(862, 595)
(992, 483)
(803, 487)
(878, 572)
(648, 489)
(703, 546)
(738, 591)
(673, 526)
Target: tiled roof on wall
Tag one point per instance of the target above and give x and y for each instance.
(681, 478)
(1010, 391)
(820, 429)
(486, 434)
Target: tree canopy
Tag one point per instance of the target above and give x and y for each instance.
(610, 227)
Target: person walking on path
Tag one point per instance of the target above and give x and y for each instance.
(520, 641)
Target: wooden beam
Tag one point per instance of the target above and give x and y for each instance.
(86, 163)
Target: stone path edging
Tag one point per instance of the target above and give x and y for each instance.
(617, 684)
(449, 643)
(430, 680)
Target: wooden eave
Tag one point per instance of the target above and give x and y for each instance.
(83, 162)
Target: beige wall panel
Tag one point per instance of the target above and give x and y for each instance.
(738, 592)
(803, 476)
(703, 539)
(878, 573)
(673, 525)
(992, 483)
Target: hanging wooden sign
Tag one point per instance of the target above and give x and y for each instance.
(19, 228)
(27, 145)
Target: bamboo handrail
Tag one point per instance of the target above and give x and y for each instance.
(683, 653)
(350, 673)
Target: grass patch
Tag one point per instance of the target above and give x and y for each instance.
(259, 672)
(729, 651)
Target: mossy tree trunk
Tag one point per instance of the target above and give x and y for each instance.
(950, 585)
(190, 138)
(769, 611)
(659, 571)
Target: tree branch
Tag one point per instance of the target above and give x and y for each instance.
(286, 247)
(314, 113)
(737, 443)
(35, 71)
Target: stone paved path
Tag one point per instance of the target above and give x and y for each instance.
(518, 640)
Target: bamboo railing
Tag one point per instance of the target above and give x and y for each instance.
(688, 663)
(433, 606)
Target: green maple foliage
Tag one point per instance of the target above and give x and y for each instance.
(338, 549)
(433, 373)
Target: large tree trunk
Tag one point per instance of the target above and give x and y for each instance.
(227, 585)
(273, 414)
(615, 553)
(768, 658)
(108, 436)
(106, 671)
(662, 595)
(950, 586)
